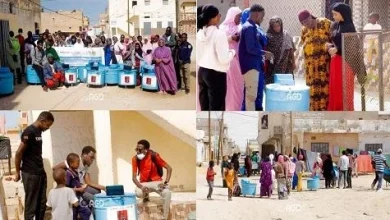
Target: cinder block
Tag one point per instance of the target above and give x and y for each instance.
(153, 210)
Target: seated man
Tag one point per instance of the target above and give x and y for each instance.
(149, 165)
(53, 73)
(87, 158)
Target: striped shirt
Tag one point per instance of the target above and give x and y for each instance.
(379, 160)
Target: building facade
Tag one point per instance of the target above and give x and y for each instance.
(141, 17)
(64, 21)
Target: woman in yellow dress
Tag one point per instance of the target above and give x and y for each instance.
(316, 33)
(230, 177)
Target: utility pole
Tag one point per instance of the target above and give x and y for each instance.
(210, 135)
(177, 7)
(220, 145)
(128, 17)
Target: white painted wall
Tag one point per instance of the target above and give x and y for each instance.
(157, 12)
(372, 138)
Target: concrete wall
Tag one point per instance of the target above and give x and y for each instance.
(128, 128)
(66, 21)
(346, 140)
(25, 15)
(372, 138)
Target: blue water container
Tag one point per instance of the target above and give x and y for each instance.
(6, 82)
(96, 78)
(112, 75)
(248, 188)
(128, 78)
(115, 207)
(287, 98)
(82, 73)
(242, 170)
(32, 76)
(313, 183)
(71, 76)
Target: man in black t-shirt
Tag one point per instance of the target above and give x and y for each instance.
(29, 160)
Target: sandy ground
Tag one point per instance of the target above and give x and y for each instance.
(80, 97)
(358, 203)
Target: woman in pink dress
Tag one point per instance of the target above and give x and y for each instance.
(235, 80)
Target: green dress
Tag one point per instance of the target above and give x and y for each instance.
(53, 52)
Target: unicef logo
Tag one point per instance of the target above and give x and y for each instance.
(294, 96)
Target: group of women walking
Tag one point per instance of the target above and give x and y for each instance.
(221, 80)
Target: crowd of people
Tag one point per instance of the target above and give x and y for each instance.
(73, 196)
(237, 58)
(170, 54)
(284, 174)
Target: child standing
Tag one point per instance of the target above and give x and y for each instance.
(73, 181)
(230, 176)
(210, 178)
(61, 199)
(372, 40)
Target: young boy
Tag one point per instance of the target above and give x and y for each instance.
(210, 178)
(61, 199)
(372, 40)
(73, 181)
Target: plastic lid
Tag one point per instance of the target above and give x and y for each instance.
(285, 88)
(102, 195)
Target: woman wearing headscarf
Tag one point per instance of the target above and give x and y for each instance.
(281, 45)
(341, 83)
(300, 169)
(234, 78)
(213, 58)
(165, 70)
(266, 178)
(281, 177)
(314, 37)
(317, 167)
(328, 171)
(290, 174)
(248, 166)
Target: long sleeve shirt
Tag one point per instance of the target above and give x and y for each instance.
(185, 50)
(38, 57)
(49, 70)
(250, 51)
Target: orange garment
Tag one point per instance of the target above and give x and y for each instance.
(148, 170)
(229, 177)
(364, 164)
(210, 174)
(51, 83)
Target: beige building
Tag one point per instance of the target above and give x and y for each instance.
(64, 21)
(324, 132)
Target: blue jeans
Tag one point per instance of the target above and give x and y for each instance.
(379, 179)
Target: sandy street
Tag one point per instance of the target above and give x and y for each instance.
(109, 97)
(358, 203)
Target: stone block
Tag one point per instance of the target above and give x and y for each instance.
(153, 210)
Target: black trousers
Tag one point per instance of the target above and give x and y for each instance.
(35, 198)
(349, 178)
(212, 89)
(39, 71)
(17, 75)
(328, 181)
(22, 56)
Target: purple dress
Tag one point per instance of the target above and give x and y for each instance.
(165, 71)
(266, 179)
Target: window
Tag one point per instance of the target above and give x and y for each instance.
(11, 8)
(147, 28)
(159, 24)
(147, 2)
(113, 31)
(165, 2)
(170, 24)
(133, 3)
(373, 147)
(320, 147)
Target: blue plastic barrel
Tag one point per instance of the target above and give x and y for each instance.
(313, 183)
(96, 78)
(6, 81)
(112, 75)
(284, 79)
(287, 98)
(242, 170)
(115, 207)
(32, 76)
(82, 73)
(128, 78)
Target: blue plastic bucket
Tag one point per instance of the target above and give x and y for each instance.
(32, 76)
(112, 76)
(96, 78)
(287, 98)
(284, 79)
(128, 78)
(6, 82)
(115, 207)
(149, 81)
(313, 183)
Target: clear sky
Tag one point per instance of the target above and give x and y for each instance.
(242, 125)
(11, 118)
(92, 8)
